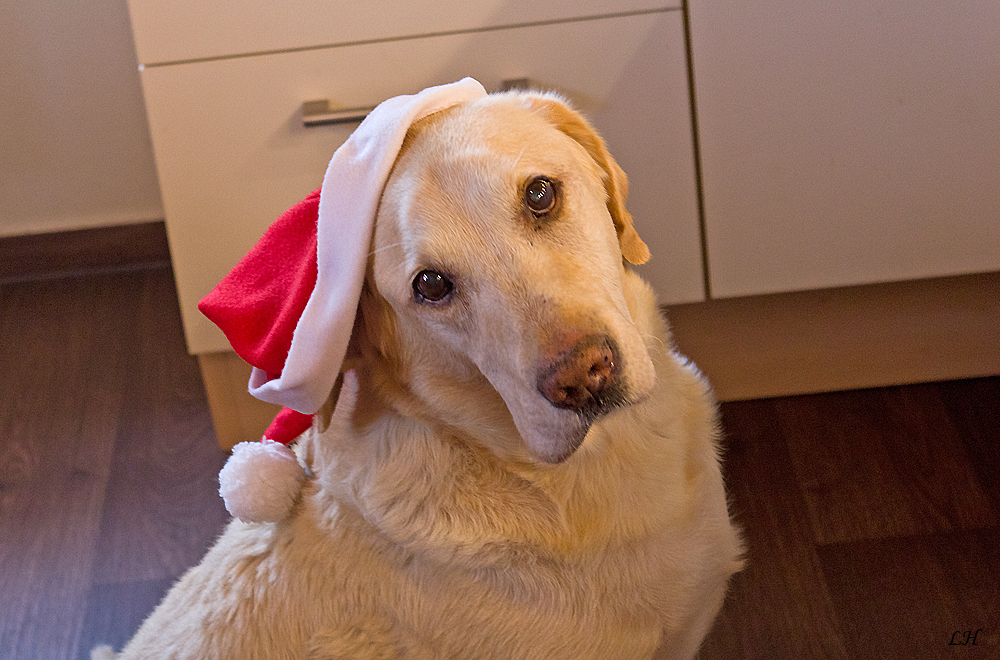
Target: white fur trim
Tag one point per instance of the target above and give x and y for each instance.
(102, 653)
(260, 481)
(352, 187)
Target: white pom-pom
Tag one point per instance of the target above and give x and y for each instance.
(260, 481)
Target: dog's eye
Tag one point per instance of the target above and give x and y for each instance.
(431, 286)
(540, 195)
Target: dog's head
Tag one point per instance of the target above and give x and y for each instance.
(498, 266)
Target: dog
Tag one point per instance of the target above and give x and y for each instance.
(516, 462)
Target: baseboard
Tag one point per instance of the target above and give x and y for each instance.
(237, 416)
(79, 251)
(841, 339)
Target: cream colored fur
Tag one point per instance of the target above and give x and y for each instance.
(438, 524)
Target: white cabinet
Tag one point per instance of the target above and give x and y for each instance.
(847, 142)
(841, 143)
(232, 153)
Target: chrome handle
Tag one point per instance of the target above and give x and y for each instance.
(519, 84)
(319, 113)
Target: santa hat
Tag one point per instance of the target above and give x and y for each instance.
(288, 306)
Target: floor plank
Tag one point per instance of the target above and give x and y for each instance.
(62, 391)
(974, 408)
(906, 598)
(882, 463)
(778, 607)
(115, 611)
(108, 462)
(162, 507)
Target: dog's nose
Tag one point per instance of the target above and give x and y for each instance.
(582, 375)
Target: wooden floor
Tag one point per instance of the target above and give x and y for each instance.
(871, 516)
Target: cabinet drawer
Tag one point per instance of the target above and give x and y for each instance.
(232, 153)
(193, 29)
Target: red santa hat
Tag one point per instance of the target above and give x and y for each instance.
(288, 306)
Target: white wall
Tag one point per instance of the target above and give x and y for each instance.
(75, 150)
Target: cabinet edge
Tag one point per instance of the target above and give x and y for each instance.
(839, 339)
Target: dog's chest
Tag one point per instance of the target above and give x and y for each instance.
(498, 603)
(528, 608)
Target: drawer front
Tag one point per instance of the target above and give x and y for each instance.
(191, 29)
(232, 153)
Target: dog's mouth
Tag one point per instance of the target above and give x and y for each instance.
(579, 379)
(569, 446)
(581, 385)
(561, 442)
(599, 404)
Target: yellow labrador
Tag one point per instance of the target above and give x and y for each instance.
(519, 465)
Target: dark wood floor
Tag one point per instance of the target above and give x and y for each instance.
(871, 520)
(108, 460)
(871, 517)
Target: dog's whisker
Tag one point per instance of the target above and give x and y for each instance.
(384, 247)
(518, 159)
(654, 338)
(657, 340)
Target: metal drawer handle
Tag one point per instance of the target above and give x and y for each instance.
(519, 84)
(319, 112)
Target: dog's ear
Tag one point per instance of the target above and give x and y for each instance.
(353, 359)
(560, 115)
(325, 413)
